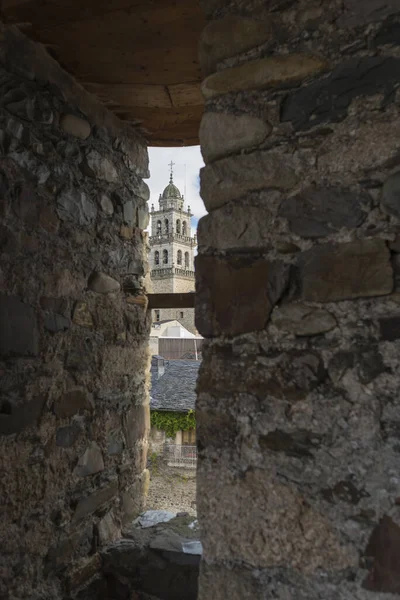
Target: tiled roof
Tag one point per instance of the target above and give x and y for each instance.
(176, 389)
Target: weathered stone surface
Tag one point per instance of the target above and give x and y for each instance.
(291, 376)
(82, 315)
(317, 212)
(67, 436)
(229, 36)
(72, 402)
(102, 283)
(91, 503)
(328, 99)
(230, 178)
(115, 442)
(136, 424)
(96, 165)
(21, 416)
(134, 498)
(303, 320)
(253, 537)
(390, 328)
(18, 328)
(90, 462)
(299, 443)
(391, 195)
(106, 205)
(384, 550)
(76, 207)
(79, 542)
(270, 72)
(356, 13)
(235, 226)
(129, 213)
(48, 219)
(55, 323)
(331, 272)
(221, 134)
(109, 529)
(369, 362)
(86, 570)
(142, 216)
(75, 126)
(236, 295)
(126, 232)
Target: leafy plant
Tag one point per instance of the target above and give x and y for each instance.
(171, 422)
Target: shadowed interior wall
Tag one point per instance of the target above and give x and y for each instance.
(73, 328)
(298, 410)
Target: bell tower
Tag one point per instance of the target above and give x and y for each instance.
(172, 251)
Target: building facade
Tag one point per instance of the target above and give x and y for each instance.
(172, 252)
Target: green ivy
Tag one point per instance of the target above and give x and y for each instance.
(171, 422)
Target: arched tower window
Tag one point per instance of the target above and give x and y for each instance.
(166, 222)
(184, 228)
(178, 226)
(179, 257)
(186, 260)
(158, 227)
(156, 257)
(165, 257)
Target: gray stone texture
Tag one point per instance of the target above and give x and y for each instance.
(59, 376)
(231, 178)
(298, 421)
(221, 135)
(331, 272)
(318, 212)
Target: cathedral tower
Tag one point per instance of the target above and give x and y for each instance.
(172, 252)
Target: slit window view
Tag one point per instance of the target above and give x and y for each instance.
(200, 300)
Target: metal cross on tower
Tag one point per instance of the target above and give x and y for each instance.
(171, 164)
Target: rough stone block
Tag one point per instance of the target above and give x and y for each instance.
(236, 295)
(290, 377)
(270, 72)
(332, 272)
(136, 424)
(390, 328)
(55, 323)
(22, 416)
(90, 462)
(317, 212)
(75, 126)
(96, 165)
(231, 178)
(391, 195)
(82, 315)
(384, 550)
(90, 504)
(303, 320)
(328, 99)
(76, 207)
(102, 283)
(133, 499)
(272, 533)
(72, 402)
(109, 529)
(229, 36)
(235, 226)
(18, 328)
(85, 571)
(221, 134)
(68, 435)
(106, 205)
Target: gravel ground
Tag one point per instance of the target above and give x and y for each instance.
(171, 488)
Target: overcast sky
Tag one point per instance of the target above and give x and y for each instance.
(159, 176)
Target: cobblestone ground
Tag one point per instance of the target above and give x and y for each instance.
(171, 488)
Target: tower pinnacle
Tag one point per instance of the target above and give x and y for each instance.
(171, 165)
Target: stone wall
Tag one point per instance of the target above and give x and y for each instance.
(74, 410)
(298, 294)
